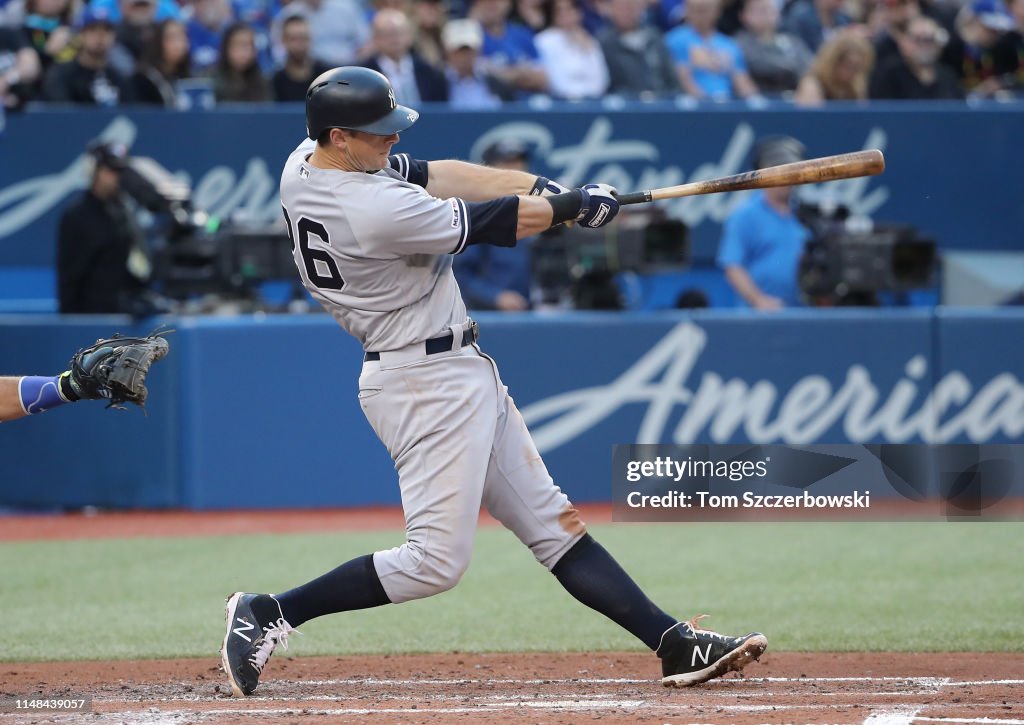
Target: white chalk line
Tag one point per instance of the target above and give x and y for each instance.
(438, 697)
(1000, 721)
(900, 715)
(727, 682)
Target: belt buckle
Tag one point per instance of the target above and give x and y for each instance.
(474, 329)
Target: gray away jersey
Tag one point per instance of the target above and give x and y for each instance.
(375, 250)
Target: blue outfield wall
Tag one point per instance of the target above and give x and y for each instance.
(262, 412)
(952, 168)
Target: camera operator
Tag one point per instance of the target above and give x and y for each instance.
(101, 267)
(763, 240)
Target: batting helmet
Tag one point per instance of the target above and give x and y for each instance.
(355, 98)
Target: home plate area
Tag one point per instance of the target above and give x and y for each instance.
(870, 688)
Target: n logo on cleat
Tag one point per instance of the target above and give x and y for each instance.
(247, 627)
(696, 651)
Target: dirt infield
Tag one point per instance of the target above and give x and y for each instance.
(127, 524)
(876, 689)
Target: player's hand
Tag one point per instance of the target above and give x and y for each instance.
(599, 205)
(768, 303)
(511, 301)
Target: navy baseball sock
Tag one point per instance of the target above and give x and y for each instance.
(353, 585)
(589, 573)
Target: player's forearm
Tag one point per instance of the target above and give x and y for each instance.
(470, 182)
(741, 281)
(10, 401)
(535, 215)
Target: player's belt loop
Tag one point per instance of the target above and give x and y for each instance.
(456, 336)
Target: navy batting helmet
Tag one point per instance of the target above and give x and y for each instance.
(355, 98)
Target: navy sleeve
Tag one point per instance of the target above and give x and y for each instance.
(493, 222)
(412, 170)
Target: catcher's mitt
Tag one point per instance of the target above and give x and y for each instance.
(116, 368)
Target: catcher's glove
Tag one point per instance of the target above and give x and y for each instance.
(116, 369)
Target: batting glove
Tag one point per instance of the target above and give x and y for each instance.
(544, 186)
(599, 205)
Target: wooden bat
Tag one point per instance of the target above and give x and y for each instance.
(827, 168)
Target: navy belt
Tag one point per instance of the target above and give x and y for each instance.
(438, 344)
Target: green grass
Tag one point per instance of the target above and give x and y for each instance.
(880, 587)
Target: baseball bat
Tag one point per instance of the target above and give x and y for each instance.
(826, 168)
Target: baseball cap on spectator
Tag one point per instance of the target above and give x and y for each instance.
(94, 16)
(777, 150)
(509, 149)
(992, 14)
(111, 154)
(464, 33)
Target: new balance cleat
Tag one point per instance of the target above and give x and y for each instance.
(690, 655)
(255, 626)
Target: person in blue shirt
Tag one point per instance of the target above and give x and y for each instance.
(164, 9)
(498, 278)
(762, 241)
(709, 64)
(508, 47)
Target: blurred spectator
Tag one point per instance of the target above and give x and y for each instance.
(238, 78)
(692, 298)
(498, 278)
(412, 78)
(402, 6)
(667, 14)
(973, 51)
(710, 64)
(19, 68)
(1010, 50)
(814, 21)
(762, 240)
(165, 62)
(891, 19)
(530, 14)
(113, 8)
(133, 34)
(88, 78)
(639, 64)
(469, 85)
(210, 18)
(292, 79)
(570, 55)
(508, 47)
(339, 29)
(429, 17)
(839, 72)
(916, 72)
(47, 24)
(100, 264)
(776, 61)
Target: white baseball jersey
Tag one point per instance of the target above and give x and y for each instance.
(375, 250)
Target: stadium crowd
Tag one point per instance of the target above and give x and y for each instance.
(481, 53)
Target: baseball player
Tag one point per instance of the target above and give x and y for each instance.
(373, 235)
(113, 369)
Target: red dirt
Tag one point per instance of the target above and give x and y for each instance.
(549, 688)
(127, 524)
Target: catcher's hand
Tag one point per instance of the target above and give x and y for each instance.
(116, 368)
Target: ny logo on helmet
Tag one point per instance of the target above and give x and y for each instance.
(391, 97)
